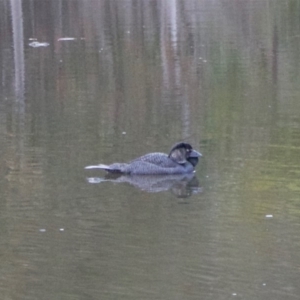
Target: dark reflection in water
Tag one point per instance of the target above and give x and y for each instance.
(182, 186)
(101, 80)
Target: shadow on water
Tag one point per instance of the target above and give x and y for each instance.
(182, 185)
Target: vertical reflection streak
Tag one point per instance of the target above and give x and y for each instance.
(18, 45)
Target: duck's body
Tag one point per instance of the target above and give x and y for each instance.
(181, 160)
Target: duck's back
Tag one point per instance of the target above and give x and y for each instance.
(156, 158)
(157, 163)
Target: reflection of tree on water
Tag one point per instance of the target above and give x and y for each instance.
(182, 186)
(18, 126)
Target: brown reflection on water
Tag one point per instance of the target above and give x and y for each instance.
(136, 77)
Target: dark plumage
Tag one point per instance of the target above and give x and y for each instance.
(181, 159)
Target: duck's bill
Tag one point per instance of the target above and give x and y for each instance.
(195, 153)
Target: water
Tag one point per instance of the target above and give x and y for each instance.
(84, 82)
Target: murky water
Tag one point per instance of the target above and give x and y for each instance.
(84, 82)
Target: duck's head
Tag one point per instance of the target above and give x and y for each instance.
(183, 152)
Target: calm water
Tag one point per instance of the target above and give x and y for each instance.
(84, 82)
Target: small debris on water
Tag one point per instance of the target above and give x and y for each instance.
(264, 284)
(38, 44)
(61, 229)
(66, 39)
(269, 216)
(124, 132)
(42, 230)
(234, 294)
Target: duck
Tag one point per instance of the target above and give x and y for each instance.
(182, 159)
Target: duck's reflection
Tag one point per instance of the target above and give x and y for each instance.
(182, 185)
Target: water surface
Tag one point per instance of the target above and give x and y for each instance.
(84, 82)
